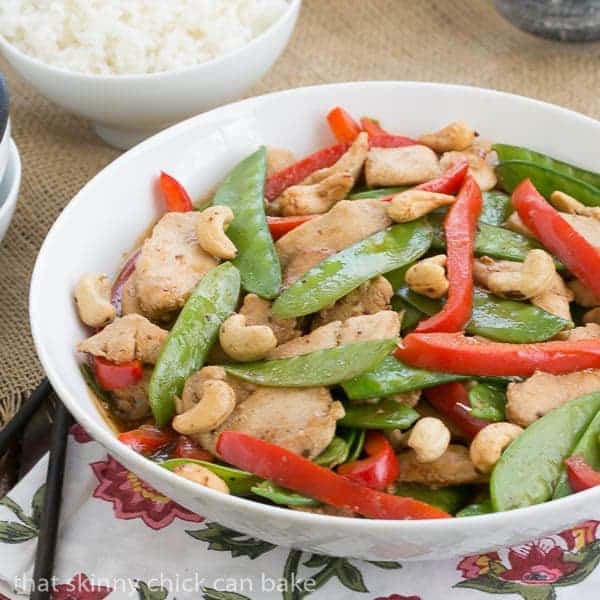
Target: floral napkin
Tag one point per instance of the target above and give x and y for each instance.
(119, 538)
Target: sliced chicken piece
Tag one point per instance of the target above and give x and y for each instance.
(258, 312)
(316, 198)
(302, 420)
(480, 166)
(408, 165)
(170, 265)
(556, 299)
(351, 161)
(383, 325)
(278, 158)
(367, 299)
(586, 227)
(348, 222)
(590, 331)
(409, 398)
(543, 392)
(514, 223)
(129, 300)
(192, 391)
(583, 296)
(128, 338)
(454, 467)
(132, 404)
(301, 263)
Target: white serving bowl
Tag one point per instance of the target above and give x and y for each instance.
(125, 109)
(9, 186)
(111, 211)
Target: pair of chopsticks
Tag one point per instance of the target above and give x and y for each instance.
(44, 557)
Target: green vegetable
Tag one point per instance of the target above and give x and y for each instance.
(393, 377)
(385, 414)
(410, 315)
(492, 241)
(498, 319)
(341, 273)
(335, 454)
(323, 367)
(450, 498)
(589, 449)
(476, 509)
(279, 495)
(511, 173)
(487, 402)
(397, 276)
(496, 208)
(530, 467)
(506, 153)
(377, 193)
(89, 378)
(240, 483)
(192, 337)
(243, 192)
(355, 439)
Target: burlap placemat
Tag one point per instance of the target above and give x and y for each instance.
(336, 40)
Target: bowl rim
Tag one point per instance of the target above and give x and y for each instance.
(14, 161)
(111, 443)
(10, 48)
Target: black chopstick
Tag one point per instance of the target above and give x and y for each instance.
(44, 557)
(16, 425)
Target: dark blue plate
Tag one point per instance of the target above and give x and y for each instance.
(3, 106)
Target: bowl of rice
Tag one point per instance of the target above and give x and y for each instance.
(134, 67)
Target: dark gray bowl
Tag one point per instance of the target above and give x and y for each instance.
(565, 20)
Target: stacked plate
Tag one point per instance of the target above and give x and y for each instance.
(10, 165)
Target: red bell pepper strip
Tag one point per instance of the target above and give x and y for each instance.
(305, 477)
(279, 226)
(186, 448)
(176, 198)
(379, 470)
(342, 125)
(294, 174)
(448, 183)
(460, 228)
(116, 293)
(456, 353)
(451, 400)
(572, 249)
(380, 138)
(147, 439)
(581, 475)
(113, 376)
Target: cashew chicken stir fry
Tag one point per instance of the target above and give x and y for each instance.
(390, 328)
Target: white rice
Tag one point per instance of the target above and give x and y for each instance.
(133, 36)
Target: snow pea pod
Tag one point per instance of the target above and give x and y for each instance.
(498, 319)
(506, 152)
(376, 193)
(243, 192)
(323, 367)
(476, 509)
(355, 438)
(410, 315)
(589, 448)
(335, 454)
(487, 401)
(240, 483)
(511, 173)
(449, 499)
(530, 467)
(192, 337)
(343, 272)
(393, 377)
(496, 208)
(279, 495)
(385, 414)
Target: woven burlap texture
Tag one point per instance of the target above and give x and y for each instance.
(336, 40)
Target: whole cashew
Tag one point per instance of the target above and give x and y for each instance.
(92, 296)
(210, 231)
(412, 204)
(455, 136)
(203, 476)
(429, 438)
(487, 446)
(246, 342)
(567, 204)
(315, 198)
(216, 404)
(535, 276)
(428, 277)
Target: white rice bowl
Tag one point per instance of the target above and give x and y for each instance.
(119, 37)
